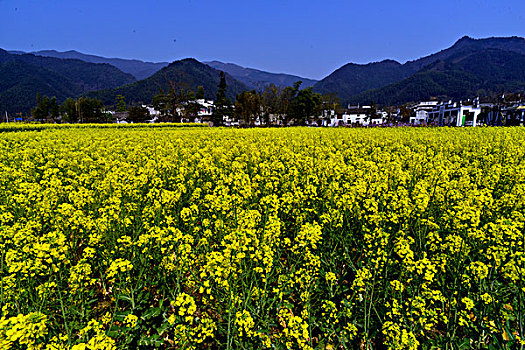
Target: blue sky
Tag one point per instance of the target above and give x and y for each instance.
(307, 38)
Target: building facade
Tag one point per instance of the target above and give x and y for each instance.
(454, 114)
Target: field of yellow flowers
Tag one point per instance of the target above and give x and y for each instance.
(296, 238)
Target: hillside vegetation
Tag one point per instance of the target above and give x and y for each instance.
(459, 75)
(24, 76)
(188, 74)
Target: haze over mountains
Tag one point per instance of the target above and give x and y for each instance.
(469, 68)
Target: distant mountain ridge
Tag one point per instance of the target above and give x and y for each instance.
(23, 76)
(258, 79)
(464, 75)
(468, 68)
(187, 73)
(352, 79)
(357, 83)
(466, 45)
(139, 69)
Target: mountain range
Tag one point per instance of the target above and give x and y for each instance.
(389, 81)
(253, 78)
(187, 74)
(465, 75)
(469, 68)
(139, 69)
(258, 79)
(23, 76)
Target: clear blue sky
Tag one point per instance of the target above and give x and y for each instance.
(308, 38)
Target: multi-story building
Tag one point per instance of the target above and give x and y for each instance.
(454, 114)
(421, 111)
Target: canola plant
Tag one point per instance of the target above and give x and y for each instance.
(296, 238)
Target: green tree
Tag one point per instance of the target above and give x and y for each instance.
(90, 110)
(138, 114)
(404, 113)
(200, 93)
(190, 106)
(54, 109)
(160, 103)
(285, 103)
(68, 111)
(41, 111)
(176, 98)
(271, 102)
(248, 107)
(222, 103)
(305, 104)
(120, 103)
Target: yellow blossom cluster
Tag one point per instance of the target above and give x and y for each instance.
(293, 238)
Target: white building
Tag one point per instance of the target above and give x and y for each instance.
(357, 116)
(153, 113)
(204, 112)
(230, 121)
(421, 110)
(454, 114)
(379, 118)
(206, 108)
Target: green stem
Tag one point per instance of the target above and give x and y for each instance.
(2, 281)
(228, 339)
(63, 312)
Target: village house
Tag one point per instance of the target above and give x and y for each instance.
(454, 114)
(153, 113)
(421, 111)
(205, 110)
(379, 118)
(204, 113)
(354, 115)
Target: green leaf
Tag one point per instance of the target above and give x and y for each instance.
(151, 313)
(151, 341)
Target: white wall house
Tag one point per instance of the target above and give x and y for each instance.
(339, 119)
(379, 119)
(422, 110)
(206, 108)
(349, 119)
(153, 113)
(356, 116)
(204, 112)
(454, 114)
(230, 121)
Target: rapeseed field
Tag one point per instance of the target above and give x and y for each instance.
(296, 238)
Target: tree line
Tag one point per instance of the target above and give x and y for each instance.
(81, 110)
(274, 105)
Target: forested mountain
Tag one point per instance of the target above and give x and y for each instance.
(466, 75)
(22, 77)
(258, 79)
(139, 69)
(468, 68)
(20, 83)
(187, 74)
(467, 45)
(352, 81)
